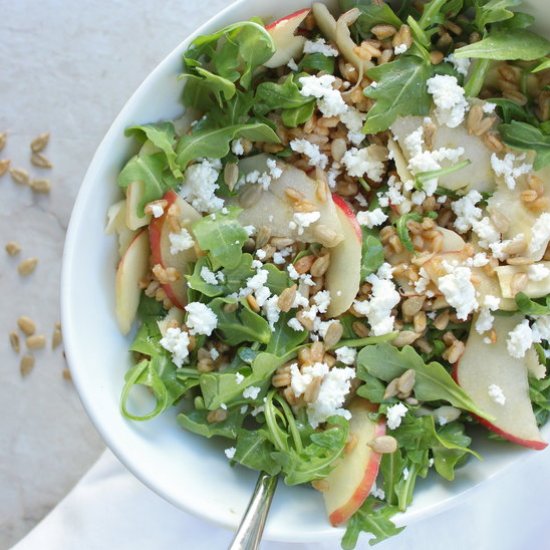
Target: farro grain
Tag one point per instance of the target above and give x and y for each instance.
(26, 365)
(321, 485)
(455, 351)
(383, 31)
(165, 275)
(205, 364)
(391, 389)
(334, 334)
(26, 325)
(253, 303)
(41, 185)
(26, 267)
(14, 341)
(360, 329)
(405, 383)
(312, 391)
(304, 357)
(286, 298)
(13, 248)
(306, 322)
(4, 166)
(536, 184)
(303, 264)
(36, 341)
(520, 260)
(384, 444)
(411, 306)
(449, 338)
(40, 161)
(329, 360)
(40, 142)
(3, 139)
(317, 352)
(326, 236)
(419, 322)
(405, 338)
(475, 116)
(20, 176)
(441, 321)
(263, 236)
(320, 265)
(436, 57)
(217, 415)
(231, 175)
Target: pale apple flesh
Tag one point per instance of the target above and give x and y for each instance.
(132, 269)
(351, 481)
(287, 44)
(116, 223)
(533, 289)
(343, 276)
(159, 233)
(134, 201)
(484, 364)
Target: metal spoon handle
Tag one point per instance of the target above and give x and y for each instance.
(251, 528)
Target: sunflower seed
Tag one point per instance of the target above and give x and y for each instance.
(26, 267)
(13, 248)
(231, 175)
(39, 160)
(26, 364)
(4, 165)
(20, 176)
(405, 383)
(286, 298)
(384, 444)
(334, 334)
(39, 142)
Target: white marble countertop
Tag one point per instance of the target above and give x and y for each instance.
(67, 68)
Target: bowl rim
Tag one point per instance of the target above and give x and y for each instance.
(84, 194)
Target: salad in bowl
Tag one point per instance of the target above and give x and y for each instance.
(337, 259)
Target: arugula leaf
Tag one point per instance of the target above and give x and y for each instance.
(317, 62)
(450, 448)
(372, 254)
(401, 90)
(527, 306)
(241, 325)
(433, 382)
(372, 13)
(254, 450)
(539, 393)
(493, 12)
(223, 236)
(195, 421)
(294, 117)
(271, 96)
(509, 110)
(542, 66)
(206, 90)
(148, 169)
(526, 137)
(285, 338)
(371, 518)
(507, 45)
(476, 77)
(163, 136)
(215, 143)
(403, 230)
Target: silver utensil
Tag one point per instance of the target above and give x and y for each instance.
(250, 530)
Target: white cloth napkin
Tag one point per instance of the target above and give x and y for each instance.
(110, 509)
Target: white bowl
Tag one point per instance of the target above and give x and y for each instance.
(187, 470)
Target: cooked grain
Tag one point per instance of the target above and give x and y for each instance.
(26, 365)
(39, 160)
(334, 334)
(13, 248)
(14, 341)
(384, 444)
(26, 267)
(36, 341)
(4, 166)
(20, 176)
(40, 142)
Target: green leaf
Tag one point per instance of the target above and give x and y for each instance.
(284, 338)
(509, 110)
(195, 421)
(403, 230)
(525, 137)
(316, 62)
(241, 325)
(433, 382)
(271, 96)
(203, 91)
(476, 77)
(148, 169)
(223, 236)
(215, 143)
(493, 12)
(391, 468)
(542, 66)
(163, 136)
(294, 117)
(450, 449)
(527, 306)
(254, 450)
(372, 254)
(223, 387)
(372, 13)
(400, 91)
(507, 45)
(371, 518)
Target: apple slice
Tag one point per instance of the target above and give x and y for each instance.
(287, 44)
(343, 276)
(533, 289)
(132, 268)
(134, 199)
(484, 364)
(273, 208)
(116, 223)
(159, 234)
(351, 481)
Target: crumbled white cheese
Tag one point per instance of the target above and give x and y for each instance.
(393, 195)
(488, 235)
(275, 171)
(448, 96)
(477, 260)
(509, 169)
(239, 378)
(537, 272)
(394, 415)
(310, 150)
(329, 100)
(489, 107)
(384, 297)
(499, 248)
(214, 353)
(209, 276)
(458, 289)
(261, 254)
(292, 65)
(322, 300)
(176, 342)
(541, 329)
(320, 46)
(496, 394)
(353, 120)
(294, 324)
(304, 219)
(377, 492)
(540, 234)
(332, 174)
(485, 318)
(200, 318)
(200, 185)
(406, 474)
(519, 340)
(251, 392)
(371, 218)
(230, 453)
(400, 48)
(385, 271)
(461, 65)
(223, 406)
(271, 311)
(237, 147)
(466, 211)
(360, 162)
(180, 241)
(156, 209)
(346, 355)
(361, 200)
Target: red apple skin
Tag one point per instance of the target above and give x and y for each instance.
(346, 209)
(155, 234)
(287, 17)
(345, 512)
(536, 445)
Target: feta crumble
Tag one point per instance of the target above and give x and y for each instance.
(239, 378)
(180, 241)
(466, 211)
(400, 48)
(156, 209)
(353, 120)
(237, 147)
(394, 415)
(461, 65)
(509, 169)
(230, 453)
(304, 219)
(294, 324)
(200, 185)
(371, 219)
(448, 96)
(485, 318)
(496, 394)
(322, 300)
(292, 65)
(251, 392)
(329, 100)
(360, 162)
(200, 319)
(537, 272)
(320, 46)
(540, 235)
(346, 355)
(519, 340)
(310, 150)
(458, 290)
(176, 342)
(209, 276)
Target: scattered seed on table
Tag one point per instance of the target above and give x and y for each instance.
(26, 364)
(14, 341)
(13, 248)
(26, 325)
(37, 341)
(4, 165)
(26, 267)
(39, 142)
(20, 176)
(3, 139)
(56, 337)
(39, 160)
(41, 185)
(66, 373)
